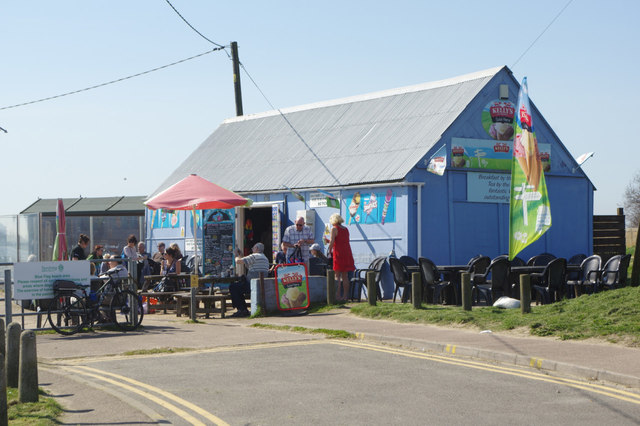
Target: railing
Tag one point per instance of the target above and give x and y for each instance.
(8, 291)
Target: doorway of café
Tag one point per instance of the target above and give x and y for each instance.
(256, 227)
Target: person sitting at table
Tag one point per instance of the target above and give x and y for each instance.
(95, 254)
(256, 262)
(171, 263)
(116, 270)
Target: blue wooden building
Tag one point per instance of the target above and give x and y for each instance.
(371, 152)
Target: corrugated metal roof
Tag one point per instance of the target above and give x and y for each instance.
(89, 205)
(378, 137)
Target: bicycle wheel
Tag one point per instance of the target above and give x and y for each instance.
(67, 314)
(126, 310)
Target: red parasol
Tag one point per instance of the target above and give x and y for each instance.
(60, 245)
(196, 193)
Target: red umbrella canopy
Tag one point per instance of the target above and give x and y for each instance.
(194, 192)
(60, 244)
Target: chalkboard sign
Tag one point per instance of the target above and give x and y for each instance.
(218, 241)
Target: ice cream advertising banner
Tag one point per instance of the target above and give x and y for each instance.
(487, 154)
(164, 219)
(292, 286)
(529, 209)
(371, 207)
(497, 119)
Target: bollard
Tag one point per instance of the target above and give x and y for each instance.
(13, 354)
(372, 288)
(525, 293)
(331, 288)
(28, 377)
(466, 291)
(4, 416)
(416, 290)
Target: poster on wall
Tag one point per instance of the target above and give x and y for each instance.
(371, 208)
(162, 218)
(276, 223)
(498, 119)
(218, 241)
(488, 154)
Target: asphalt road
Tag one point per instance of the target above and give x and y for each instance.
(345, 382)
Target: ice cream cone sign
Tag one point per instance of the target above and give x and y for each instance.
(353, 206)
(526, 150)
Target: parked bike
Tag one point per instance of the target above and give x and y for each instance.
(72, 308)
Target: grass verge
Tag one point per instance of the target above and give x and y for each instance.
(157, 351)
(610, 315)
(44, 412)
(338, 334)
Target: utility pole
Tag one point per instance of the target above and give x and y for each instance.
(236, 77)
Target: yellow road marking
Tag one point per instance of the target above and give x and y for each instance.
(599, 389)
(100, 375)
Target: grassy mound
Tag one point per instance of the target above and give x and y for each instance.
(610, 315)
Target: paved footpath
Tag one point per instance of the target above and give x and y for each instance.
(87, 403)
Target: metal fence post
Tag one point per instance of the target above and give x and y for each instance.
(7, 296)
(466, 291)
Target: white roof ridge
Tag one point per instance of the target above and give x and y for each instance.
(373, 95)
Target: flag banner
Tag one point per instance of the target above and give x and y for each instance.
(529, 208)
(295, 194)
(438, 163)
(332, 202)
(582, 159)
(327, 194)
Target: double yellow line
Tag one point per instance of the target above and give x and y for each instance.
(531, 375)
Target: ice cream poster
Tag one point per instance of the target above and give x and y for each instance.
(498, 119)
(164, 219)
(292, 286)
(371, 208)
(488, 154)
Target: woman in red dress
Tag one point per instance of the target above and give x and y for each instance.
(340, 249)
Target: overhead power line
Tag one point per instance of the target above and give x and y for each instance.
(191, 26)
(112, 81)
(543, 31)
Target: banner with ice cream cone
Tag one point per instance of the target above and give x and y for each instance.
(529, 209)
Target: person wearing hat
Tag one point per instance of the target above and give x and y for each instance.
(256, 262)
(316, 251)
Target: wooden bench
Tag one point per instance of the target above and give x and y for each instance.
(183, 303)
(165, 299)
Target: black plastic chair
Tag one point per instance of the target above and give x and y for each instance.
(401, 278)
(359, 280)
(611, 273)
(431, 282)
(588, 277)
(408, 261)
(541, 259)
(499, 284)
(551, 282)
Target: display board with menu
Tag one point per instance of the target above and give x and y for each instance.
(218, 241)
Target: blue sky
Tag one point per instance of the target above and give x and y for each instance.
(124, 139)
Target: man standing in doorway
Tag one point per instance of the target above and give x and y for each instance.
(298, 235)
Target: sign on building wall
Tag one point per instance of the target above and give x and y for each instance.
(164, 219)
(371, 208)
(489, 154)
(488, 187)
(318, 199)
(498, 119)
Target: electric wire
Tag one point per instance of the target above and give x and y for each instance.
(543, 31)
(191, 26)
(112, 81)
(262, 93)
(284, 117)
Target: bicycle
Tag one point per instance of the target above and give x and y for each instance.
(72, 309)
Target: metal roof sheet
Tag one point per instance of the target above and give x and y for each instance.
(377, 137)
(100, 205)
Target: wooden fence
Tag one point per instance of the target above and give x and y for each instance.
(609, 237)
